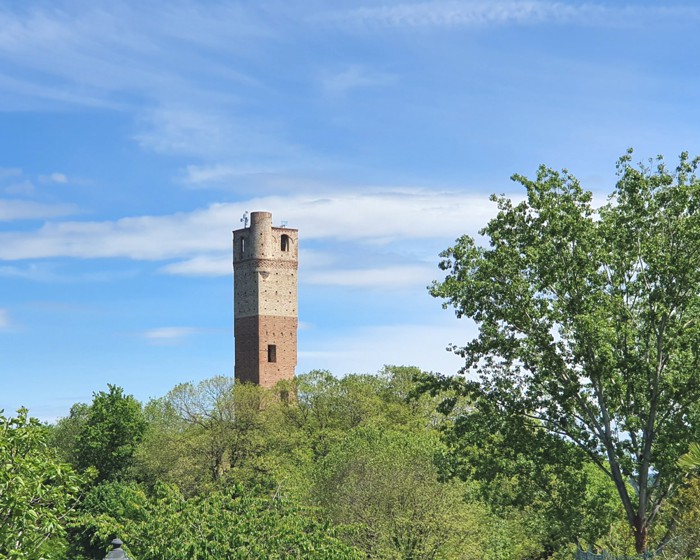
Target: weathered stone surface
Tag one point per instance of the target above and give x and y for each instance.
(265, 261)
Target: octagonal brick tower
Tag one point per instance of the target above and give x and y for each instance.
(265, 316)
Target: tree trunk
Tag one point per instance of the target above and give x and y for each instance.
(641, 536)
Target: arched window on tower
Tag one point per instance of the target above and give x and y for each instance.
(284, 243)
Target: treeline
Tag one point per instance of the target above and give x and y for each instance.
(365, 466)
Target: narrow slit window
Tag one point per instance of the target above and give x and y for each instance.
(272, 353)
(284, 243)
(242, 245)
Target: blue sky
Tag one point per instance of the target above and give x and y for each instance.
(133, 136)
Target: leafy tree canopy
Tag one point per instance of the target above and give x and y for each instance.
(229, 523)
(112, 428)
(589, 319)
(38, 493)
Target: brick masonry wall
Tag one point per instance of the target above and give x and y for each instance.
(265, 261)
(253, 336)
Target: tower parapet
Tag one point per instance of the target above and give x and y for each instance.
(265, 263)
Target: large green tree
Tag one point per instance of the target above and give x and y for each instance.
(589, 319)
(38, 493)
(109, 432)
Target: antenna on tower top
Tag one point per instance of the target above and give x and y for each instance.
(283, 224)
(244, 219)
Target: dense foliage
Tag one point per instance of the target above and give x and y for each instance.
(589, 321)
(38, 493)
(226, 523)
(359, 466)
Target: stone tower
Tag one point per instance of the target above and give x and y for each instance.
(265, 316)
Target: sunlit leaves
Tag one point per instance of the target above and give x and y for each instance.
(589, 318)
(38, 493)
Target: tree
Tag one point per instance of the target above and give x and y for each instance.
(230, 523)
(588, 320)
(38, 493)
(515, 464)
(64, 434)
(225, 425)
(327, 407)
(685, 516)
(107, 440)
(385, 485)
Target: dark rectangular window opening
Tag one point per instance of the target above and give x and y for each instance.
(272, 353)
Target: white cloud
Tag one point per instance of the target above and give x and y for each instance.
(54, 177)
(10, 172)
(400, 215)
(481, 13)
(184, 131)
(393, 277)
(30, 272)
(205, 265)
(4, 319)
(489, 13)
(197, 175)
(173, 66)
(21, 188)
(215, 130)
(385, 240)
(461, 14)
(211, 173)
(26, 210)
(169, 335)
(86, 50)
(354, 77)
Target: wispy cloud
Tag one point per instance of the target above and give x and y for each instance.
(18, 183)
(4, 319)
(54, 177)
(82, 37)
(376, 217)
(30, 272)
(354, 77)
(233, 175)
(180, 130)
(197, 174)
(205, 265)
(169, 335)
(10, 172)
(394, 277)
(47, 272)
(215, 132)
(391, 237)
(481, 13)
(175, 68)
(23, 188)
(26, 210)
(15, 182)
